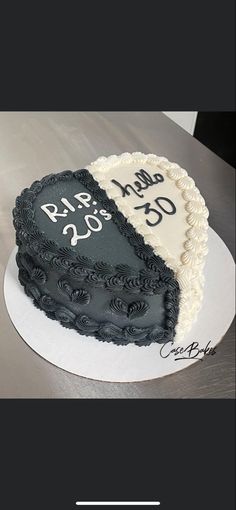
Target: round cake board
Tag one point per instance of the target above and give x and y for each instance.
(88, 357)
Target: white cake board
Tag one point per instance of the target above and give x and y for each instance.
(88, 357)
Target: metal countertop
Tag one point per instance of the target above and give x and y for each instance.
(32, 144)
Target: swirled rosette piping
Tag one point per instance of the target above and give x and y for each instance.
(108, 332)
(47, 303)
(85, 324)
(62, 314)
(132, 333)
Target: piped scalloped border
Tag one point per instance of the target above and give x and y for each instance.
(105, 331)
(189, 269)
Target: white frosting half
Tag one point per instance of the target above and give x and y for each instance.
(179, 238)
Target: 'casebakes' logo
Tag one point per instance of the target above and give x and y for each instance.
(192, 351)
(143, 504)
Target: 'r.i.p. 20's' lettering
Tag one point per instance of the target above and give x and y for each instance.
(52, 210)
(94, 224)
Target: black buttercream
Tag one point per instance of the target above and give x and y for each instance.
(39, 258)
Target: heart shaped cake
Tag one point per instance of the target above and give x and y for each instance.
(116, 250)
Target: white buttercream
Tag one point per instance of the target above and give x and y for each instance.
(180, 239)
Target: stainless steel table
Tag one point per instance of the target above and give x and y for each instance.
(32, 144)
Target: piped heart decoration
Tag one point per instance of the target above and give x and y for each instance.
(131, 310)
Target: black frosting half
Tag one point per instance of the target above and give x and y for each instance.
(110, 285)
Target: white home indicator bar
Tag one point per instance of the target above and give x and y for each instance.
(118, 503)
